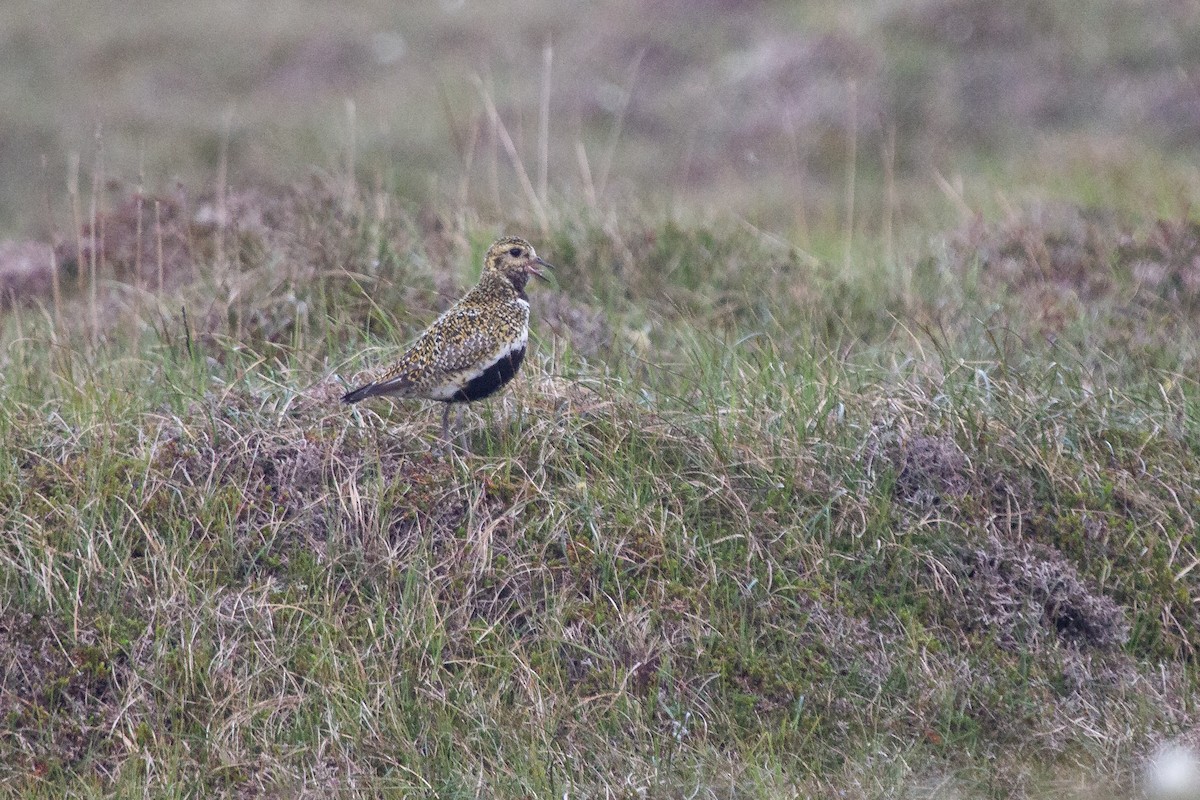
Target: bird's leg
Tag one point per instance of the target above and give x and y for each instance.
(446, 424)
(462, 437)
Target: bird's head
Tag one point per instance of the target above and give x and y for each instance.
(515, 259)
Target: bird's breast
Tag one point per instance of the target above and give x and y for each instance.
(488, 374)
(491, 378)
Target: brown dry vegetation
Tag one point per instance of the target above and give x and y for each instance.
(752, 108)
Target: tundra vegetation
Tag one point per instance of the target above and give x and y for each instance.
(856, 454)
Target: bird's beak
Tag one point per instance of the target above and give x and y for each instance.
(532, 268)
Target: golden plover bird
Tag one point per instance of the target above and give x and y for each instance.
(477, 345)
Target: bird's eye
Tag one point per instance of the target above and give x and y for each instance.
(515, 252)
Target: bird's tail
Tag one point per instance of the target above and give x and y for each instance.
(398, 386)
(361, 393)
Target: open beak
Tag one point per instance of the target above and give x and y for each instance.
(532, 268)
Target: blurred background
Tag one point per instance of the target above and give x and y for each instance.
(803, 119)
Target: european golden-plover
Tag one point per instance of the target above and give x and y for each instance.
(477, 345)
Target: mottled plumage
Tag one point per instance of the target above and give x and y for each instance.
(477, 345)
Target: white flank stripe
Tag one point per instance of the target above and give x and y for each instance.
(451, 387)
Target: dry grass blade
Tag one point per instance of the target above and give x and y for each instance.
(501, 132)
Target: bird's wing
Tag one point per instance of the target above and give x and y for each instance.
(464, 352)
(455, 342)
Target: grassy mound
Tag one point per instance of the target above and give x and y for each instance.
(748, 523)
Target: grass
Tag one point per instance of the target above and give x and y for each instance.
(748, 524)
(753, 116)
(858, 456)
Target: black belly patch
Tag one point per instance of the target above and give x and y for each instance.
(492, 378)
